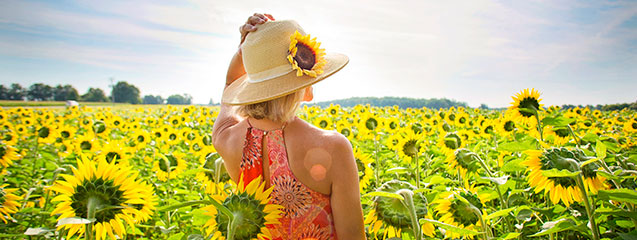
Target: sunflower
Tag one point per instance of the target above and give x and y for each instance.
(305, 55)
(391, 214)
(169, 166)
(87, 142)
(460, 161)
(365, 172)
(450, 142)
(140, 138)
(630, 126)
(563, 189)
(409, 145)
(525, 104)
(323, 122)
(8, 154)
(8, 137)
(46, 134)
(505, 126)
(66, 132)
(109, 192)
(344, 129)
(251, 202)
(451, 210)
(8, 202)
(114, 151)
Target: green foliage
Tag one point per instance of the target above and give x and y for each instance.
(94, 95)
(401, 102)
(124, 92)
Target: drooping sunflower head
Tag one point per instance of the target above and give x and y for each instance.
(458, 208)
(525, 103)
(111, 192)
(390, 212)
(461, 161)
(562, 189)
(409, 146)
(450, 142)
(249, 205)
(305, 55)
(365, 172)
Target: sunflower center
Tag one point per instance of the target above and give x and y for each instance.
(462, 120)
(110, 199)
(207, 140)
(452, 117)
(170, 164)
(634, 125)
(3, 150)
(99, 127)
(246, 208)
(345, 132)
(488, 129)
(44, 132)
(529, 103)
(333, 111)
(323, 124)
(141, 138)
(8, 137)
(305, 56)
(86, 145)
(371, 123)
(110, 156)
(509, 126)
(393, 125)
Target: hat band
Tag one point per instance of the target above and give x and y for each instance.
(269, 74)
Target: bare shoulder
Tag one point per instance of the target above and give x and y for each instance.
(328, 139)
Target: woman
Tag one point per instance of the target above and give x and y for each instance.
(312, 171)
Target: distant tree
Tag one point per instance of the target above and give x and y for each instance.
(179, 99)
(66, 92)
(483, 106)
(40, 92)
(94, 95)
(125, 93)
(150, 99)
(4, 92)
(16, 92)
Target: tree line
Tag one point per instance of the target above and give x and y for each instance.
(122, 92)
(402, 102)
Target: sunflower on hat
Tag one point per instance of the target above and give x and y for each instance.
(305, 55)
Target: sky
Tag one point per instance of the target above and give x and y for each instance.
(478, 52)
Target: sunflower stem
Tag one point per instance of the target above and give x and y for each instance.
(377, 164)
(91, 207)
(575, 137)
(590, 210)
(503, 204)
(417, 171)
(408, 202)
(539, 125)
(234, 223)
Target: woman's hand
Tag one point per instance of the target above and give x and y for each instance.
(236, 70)
(252, 22)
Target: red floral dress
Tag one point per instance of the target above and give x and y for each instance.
(307, 214)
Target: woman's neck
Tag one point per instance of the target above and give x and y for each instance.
(267, 124)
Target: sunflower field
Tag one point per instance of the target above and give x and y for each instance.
(527, 172)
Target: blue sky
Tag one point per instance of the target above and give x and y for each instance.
(573, 52)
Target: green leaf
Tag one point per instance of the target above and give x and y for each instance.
(616, 213)
(74, 220)
(195, 237)
(198, 217)
(384, 194)
(557, 121)
(518, 146)
(499, 213)
(563, 224)
(600, 149)
(513, 166)
(620, 195)
(509, 236)
(176, 236)
(436, 179)
(182, 204)
(559, 173)
(499, 180)
(452, 228)
(37, 231)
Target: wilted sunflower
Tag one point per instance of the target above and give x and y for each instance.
(525, 103)
(451, 210)
(251, 203)
(305, 55)
(111, 192)
(365, 172)
(8, 202)
(563, 189)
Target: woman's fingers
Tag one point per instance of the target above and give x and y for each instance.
(254, 20)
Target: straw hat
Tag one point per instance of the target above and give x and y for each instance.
(272, 72)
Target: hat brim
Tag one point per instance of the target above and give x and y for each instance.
(243, 92)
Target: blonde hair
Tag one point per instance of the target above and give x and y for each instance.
(279, 109)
